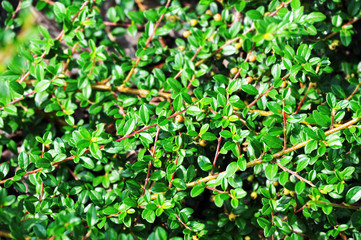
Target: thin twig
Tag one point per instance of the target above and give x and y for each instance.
(304, 97)
(15, 12)
(101, 147)
(151, 161)
(354, 91)
(294, 174)
(185, 225)
(146, 44)
(171, 180)
(279, 8)
(284, 126)
(217, 153)
(259, 160)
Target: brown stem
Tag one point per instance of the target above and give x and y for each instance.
(279, 8)
(146, 44)
(302, 144)
(101, 147)
(285, 126)
(120, 24)
(259, 160)
(217, 153)
(17, 100)
(151, 162)
(354, 91)
(49, 2)
(339, 205)
(294, 174)
(332, 118)
(124, 89)
(192, 59)
(73, 174)
(171, 180)
(87, 235)
(5, 234)
(334, 33)
(15, 12)
(223, 46)
(255, 101)
(41, 192)
(185, 225)
(304, 97)
(297, 211)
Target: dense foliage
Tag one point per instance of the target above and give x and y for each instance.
(225, 119)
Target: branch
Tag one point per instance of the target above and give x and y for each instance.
(101, 147)
(217, 153)
(302, 144)
(279, 8)
(353, 93)
(146, 44)
(304, 97)
(5, 234)
(339, 205)
(151, 162)
(295, 174)
(15, 12)
(259, 160)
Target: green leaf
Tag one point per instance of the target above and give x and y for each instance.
(23, 160)
(225, 134)
(272, 141)
(95, 151)
(112, 14)
(16, 87)
(110, 210)
(300, 186)
(295, 4)
(310, 146)
(331, 100)
(229, 50)
(137, 17)
(250, 89)
(160, 234)
(231, 169)
(7, 6)
(321, 119)
(315, 17)
(197, 190)
(59, 10)
(345, 36)
(193, 110)
(289, 52)
(174, 84)
(338, 91)
(276, 71)
(151, 15)
(353, 195)
(254, 14)
(208, 136)
(271, 171)
(91, 216)
(42, 86)
(129, 126)
(204, 163)
(148, 215)
(242, 163)
(87, 162)
(144, 114)
(43, 163)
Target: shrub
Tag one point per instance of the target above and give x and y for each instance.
(229, 119)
